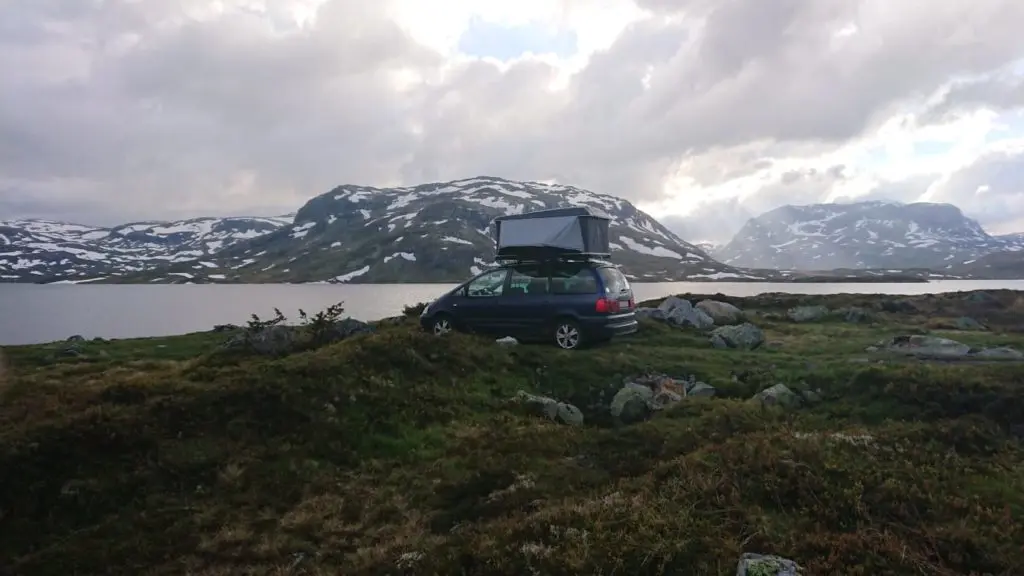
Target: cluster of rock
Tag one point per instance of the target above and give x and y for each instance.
(283, 339)
(725, 321)
(640, 397)
(935, 347)
(766, 565)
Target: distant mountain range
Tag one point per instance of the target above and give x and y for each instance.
(440, 232)
(878, 235)
(45, 251)
(428, 233)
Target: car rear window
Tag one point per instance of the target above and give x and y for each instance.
(614, 281)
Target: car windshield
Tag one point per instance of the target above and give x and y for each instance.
(614, 281)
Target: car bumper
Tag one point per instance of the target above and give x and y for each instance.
(611, 327)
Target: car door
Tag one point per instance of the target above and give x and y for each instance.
(525, 303)
(479, 308)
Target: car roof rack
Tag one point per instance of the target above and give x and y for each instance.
(547, 257)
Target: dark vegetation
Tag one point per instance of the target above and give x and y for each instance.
(395, 452)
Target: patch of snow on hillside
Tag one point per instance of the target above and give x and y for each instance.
(351, 275)
(302, 230)
(365, 213)
(404, 255)
(658, 251)
(455, 240)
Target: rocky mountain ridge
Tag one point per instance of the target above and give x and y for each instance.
(437, 232)
(864, 235)
(43, 251)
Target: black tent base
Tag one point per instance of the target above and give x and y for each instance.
(534, 254)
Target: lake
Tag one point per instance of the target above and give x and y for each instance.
(31, 314)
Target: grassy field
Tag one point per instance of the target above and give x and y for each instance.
(401, 453)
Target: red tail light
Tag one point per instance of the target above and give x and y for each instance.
(607, 306)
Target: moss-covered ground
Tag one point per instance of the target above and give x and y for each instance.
(399, 453)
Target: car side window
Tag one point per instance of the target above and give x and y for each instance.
(573, 280)
(527, 280)
(490, 284)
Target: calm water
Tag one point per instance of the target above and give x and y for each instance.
(32, 314)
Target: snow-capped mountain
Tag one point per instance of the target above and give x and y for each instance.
(436, 232)
(875, 235)
(46, 251)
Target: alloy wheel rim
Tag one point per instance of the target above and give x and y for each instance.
(442, 327)
(567, 336)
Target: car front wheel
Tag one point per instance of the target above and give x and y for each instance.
(442, 325)
(568, 335)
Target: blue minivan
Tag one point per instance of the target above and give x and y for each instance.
(569, 302)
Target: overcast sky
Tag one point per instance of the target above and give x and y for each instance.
(703, 112)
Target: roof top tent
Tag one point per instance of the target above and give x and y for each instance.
(552, 234)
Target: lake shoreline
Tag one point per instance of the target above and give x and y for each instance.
(35, 314)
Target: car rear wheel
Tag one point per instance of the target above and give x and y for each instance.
(442, 325)
(568, 335)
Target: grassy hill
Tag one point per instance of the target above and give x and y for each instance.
(399, 453)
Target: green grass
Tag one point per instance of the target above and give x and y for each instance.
(400, 453)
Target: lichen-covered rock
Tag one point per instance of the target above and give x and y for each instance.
(681, 313)
(766, 565)
(550, 408)
(778, 395)
(1001, 353)
(631, 404)
(745, 336)
(807, 313)
(925, 346)
(722, 313)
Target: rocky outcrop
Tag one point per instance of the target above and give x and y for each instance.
(281, 339)
(766, 565)
(641, 396)
(807, 313)
(935, 347)
(745, 336)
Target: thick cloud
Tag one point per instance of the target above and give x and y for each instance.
(123, 110)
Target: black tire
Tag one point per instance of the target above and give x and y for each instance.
(567, 334)
(442, 324)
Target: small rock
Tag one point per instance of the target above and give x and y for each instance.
(778, 395)
(76, 338)
(507, 341)
(766, 565)
(700, 389)
(807, 313)
(721, 313)
(745, 336)
(225, 328)
(69, 351)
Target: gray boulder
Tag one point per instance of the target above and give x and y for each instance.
(1001, 353)
(550, 408)
(722, 313)
(766, 565)
(745, 336)
(700, 389)
(807, 313)
(925, 346)
(778, 395)
(681, 313)
(632, 404)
